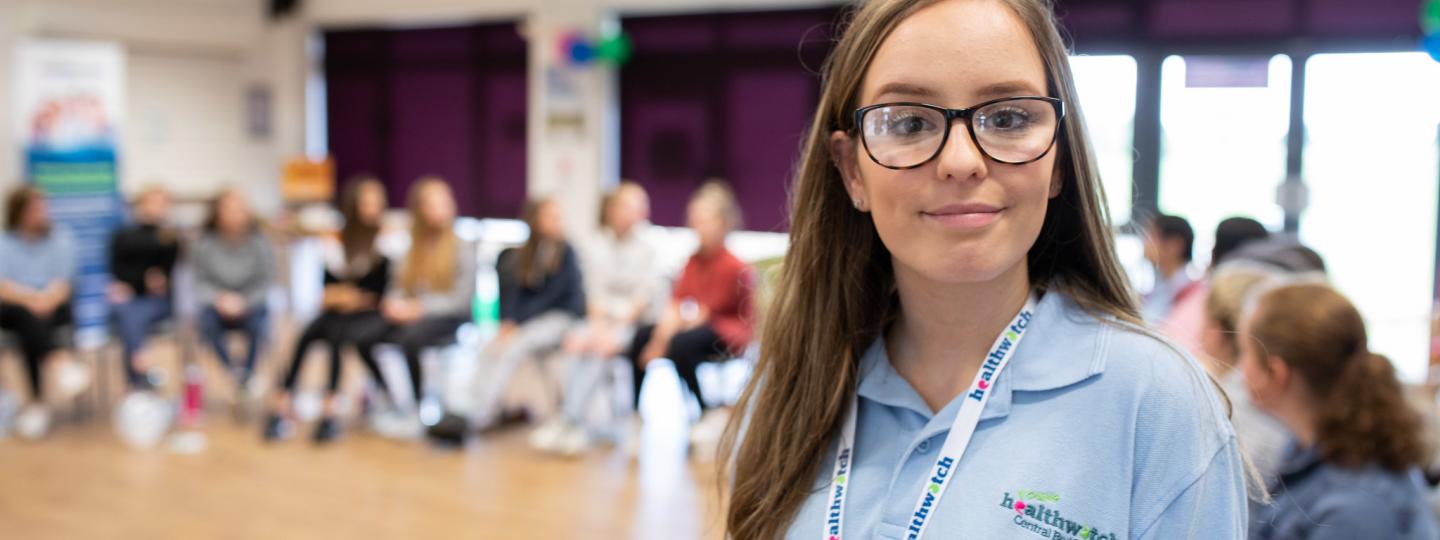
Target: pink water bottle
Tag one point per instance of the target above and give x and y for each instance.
(194, 399)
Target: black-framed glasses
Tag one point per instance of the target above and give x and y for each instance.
(1013, 130)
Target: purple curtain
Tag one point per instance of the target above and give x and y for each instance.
(450, 102)
(721, 95)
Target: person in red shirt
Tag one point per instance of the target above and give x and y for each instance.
(711, 311)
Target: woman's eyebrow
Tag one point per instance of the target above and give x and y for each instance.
(1006, 89)
(907, 90)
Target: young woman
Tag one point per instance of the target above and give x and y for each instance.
(37, 265)
(435, 283)
(711, 311)
(1353, 469)
(142, 261)
(541, 297)
(356, 276)
(1231, 287)
(620, 292)
(234, 268)
(947, 207)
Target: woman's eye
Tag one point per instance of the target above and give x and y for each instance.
(1008, 120)
(908, 125)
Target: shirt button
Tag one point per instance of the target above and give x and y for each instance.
(923, 448)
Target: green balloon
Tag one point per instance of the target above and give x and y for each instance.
(615, 49)
(1430, 17)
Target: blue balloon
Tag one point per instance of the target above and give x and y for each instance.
(582, 53)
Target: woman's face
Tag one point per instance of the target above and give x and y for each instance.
(629, 208)
(232, 214)
(708, 224)
(152, 207)
(370, 204)
(960, 217)
(437, 207)
(1259, 380)
(36, 216)
(548, 222)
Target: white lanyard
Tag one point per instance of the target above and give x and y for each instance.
(966, 419)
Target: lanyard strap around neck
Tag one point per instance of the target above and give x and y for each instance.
(961, 431)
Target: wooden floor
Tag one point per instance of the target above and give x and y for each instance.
(82, 482)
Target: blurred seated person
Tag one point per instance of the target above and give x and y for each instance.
(356, 277)
(142, 263)
(234, 268)
(37, 267)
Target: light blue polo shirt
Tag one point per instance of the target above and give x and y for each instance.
(1096, 430)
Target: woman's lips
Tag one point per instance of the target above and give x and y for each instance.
(963, 216)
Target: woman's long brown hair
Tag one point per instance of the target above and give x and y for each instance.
(535, 264)
(432, 257)
(1363, 417)
(836, 288)
(357, 237)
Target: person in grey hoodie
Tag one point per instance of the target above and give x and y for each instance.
(234, 268)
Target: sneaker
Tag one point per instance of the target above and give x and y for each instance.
(327, 431)
(545, 437)
(705, 435)
(33, 423)
(572, 441)
(276, 428)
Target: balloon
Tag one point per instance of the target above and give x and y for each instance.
(615, 49)
(1430, 17)
(582, 53)
(1431, 44)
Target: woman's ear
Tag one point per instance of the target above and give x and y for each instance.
(1281, 376)
(842, 155)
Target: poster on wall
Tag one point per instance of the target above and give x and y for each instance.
(69, 107)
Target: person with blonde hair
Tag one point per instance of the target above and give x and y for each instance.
(435, 283)
(952, 349)
(1353, 468)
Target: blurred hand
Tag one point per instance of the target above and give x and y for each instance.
(230, 305)
(119, 292)
(401, 311)
(155, 282)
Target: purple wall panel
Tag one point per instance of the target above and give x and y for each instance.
(430, 131)
(1221, 18)
(771, 113)
(501, 144)
(665, 144)
(444, 101)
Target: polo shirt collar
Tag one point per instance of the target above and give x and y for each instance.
(1066, 345)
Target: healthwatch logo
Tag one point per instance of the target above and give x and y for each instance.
(1037, 516)
(997, 356)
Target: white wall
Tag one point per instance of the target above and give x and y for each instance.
(189, 63)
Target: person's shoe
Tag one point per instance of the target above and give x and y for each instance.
(572, 441)
(276, 429)
(327, 430)
(33, 423)
(545, 437)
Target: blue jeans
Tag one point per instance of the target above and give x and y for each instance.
(133, 321)
(253, 325)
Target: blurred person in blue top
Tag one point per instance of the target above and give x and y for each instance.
(142, 260)
(542, 296)
(947, 207)
(234, 268)
(1353, 468)
(37, 266)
